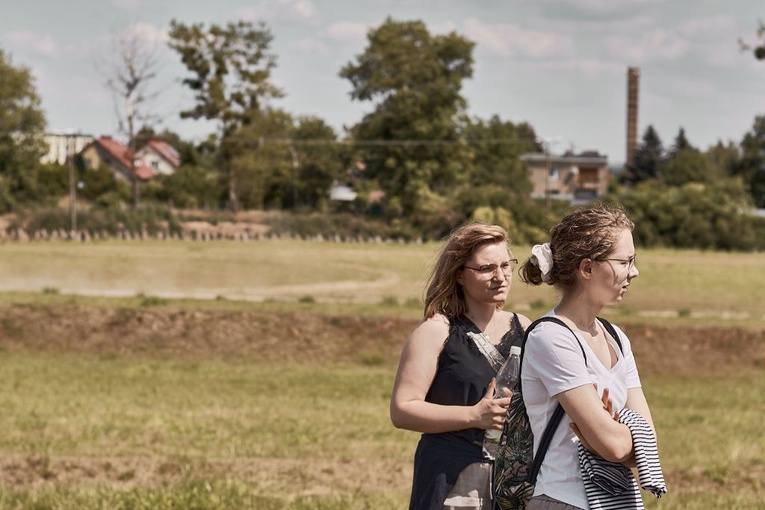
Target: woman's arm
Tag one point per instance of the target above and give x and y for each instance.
(416, 370)
(595, 425)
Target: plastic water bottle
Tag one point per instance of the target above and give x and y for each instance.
(507, 377)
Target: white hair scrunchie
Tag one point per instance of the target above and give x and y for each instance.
(541, 256)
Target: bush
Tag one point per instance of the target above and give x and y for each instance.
(704, 216)
(111, 219)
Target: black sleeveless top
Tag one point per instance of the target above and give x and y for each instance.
(462, 378)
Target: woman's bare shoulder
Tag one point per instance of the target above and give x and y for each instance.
(525, 321)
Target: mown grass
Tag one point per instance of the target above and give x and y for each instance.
(683, 287)
(685, 282)
(117, 432)
(232, 435)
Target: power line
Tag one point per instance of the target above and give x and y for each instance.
(384, 143)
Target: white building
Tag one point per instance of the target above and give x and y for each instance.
(62, 145)
(160, 156)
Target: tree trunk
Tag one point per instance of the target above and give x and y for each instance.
(136, 191)
(233, 202)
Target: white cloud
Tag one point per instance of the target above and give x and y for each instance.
(509, 40)
(270, 10)
(146, 33)
(657, 44)
(442, 28)
(311, 46)
(586, 66)
(347, 32)
(602, 6)
(713, 27)
(127, 5)
(40, 43)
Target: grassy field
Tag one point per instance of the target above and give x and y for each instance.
(693, 286)
(116, 433)
(132, 410)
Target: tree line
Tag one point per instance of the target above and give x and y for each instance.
(419, 163)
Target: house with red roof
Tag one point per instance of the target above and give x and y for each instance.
(160, 156)
(152, 159)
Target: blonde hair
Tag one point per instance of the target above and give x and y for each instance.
(443, 293)
(589, 233)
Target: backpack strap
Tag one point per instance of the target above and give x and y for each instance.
(557, 416)
(612, 331)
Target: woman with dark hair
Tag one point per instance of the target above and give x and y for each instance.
(584, 364)
(445, 382)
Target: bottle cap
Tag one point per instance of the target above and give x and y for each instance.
(515, 350)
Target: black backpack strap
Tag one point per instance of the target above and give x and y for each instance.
(612, 331)
(557, 416)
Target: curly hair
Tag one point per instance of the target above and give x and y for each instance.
(443, 293)
(588, 233)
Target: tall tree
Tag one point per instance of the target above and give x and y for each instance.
(415, 80)
(317, 162)
(22, 126)
(687, 165)
(751, 166)
(262, 165)
(758, 48)
(649, 159)
(497, 147)
(231, 71)
(681, 143)
(723, 158)
(130, 78)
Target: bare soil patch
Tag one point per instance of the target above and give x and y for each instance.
(257, 336)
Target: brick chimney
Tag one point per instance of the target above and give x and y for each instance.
(633, 77)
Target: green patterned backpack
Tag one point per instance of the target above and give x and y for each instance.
(515, 466)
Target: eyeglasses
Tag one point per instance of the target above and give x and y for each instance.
(630, 262)
(489, 270)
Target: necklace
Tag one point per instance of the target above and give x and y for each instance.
(487, 331)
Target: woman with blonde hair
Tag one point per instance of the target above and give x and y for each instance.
(444, 387)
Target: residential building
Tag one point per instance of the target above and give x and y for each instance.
(573, 177)
(115, 155)
(62, 145)
(160, 156)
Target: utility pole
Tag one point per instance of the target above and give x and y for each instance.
(72, 185)
(295, 165)
(546, 142)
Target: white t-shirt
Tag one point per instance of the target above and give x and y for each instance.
(553, 363)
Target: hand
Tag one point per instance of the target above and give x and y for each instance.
(608, 406)
(492, 412)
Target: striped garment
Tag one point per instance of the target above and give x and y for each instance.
(610, 485)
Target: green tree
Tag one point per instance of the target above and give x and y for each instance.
(231, 72)
(681, 143)
(694, 215)
(686, 164)
(22, 126)
(649, 159)
(751, 166)
(758, 48)
(723, 158)
(497, 146)
(261, 162)
(192, 186)
(415, 80)
(318, 162)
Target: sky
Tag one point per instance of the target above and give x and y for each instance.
(560, 65)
